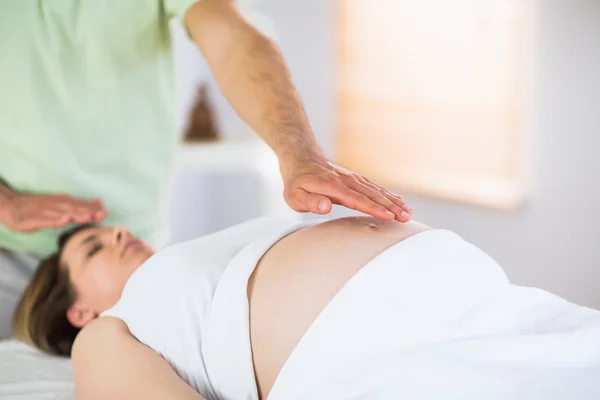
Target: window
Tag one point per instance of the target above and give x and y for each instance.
(430, 96)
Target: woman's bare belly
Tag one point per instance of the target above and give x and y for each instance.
(298, 277)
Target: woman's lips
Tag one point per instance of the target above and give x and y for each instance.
(132, 244)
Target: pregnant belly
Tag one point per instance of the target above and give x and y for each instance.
(298, 277)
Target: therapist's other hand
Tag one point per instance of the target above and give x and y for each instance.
(30, 212)
(316, 184)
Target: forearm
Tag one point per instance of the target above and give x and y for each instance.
(258, 85)
(253, 76)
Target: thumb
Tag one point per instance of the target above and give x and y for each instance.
(303, 201)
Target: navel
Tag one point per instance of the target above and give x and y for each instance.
(372, 227)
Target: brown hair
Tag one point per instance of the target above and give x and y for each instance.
(40, 318)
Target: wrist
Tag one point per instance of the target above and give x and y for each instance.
(6, 193)
(7, 197)
(298, 158)
(298, 147)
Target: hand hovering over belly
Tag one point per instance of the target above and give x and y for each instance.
(314, 184)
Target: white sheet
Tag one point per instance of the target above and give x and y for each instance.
(27, 374)
(435, 318)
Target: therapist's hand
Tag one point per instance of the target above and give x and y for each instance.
(314, 184)
(30, 212)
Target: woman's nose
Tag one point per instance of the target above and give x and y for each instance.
(119, 234)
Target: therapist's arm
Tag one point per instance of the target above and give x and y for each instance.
(253, 77)
(109, 363)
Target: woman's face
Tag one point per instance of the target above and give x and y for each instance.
(100, 260)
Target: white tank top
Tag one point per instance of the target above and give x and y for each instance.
(167, 304)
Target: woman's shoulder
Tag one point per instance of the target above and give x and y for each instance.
(98, 335)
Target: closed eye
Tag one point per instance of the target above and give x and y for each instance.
(95, 248)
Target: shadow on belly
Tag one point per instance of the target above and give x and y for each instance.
(297, 277)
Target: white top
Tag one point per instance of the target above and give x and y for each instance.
(174, 304)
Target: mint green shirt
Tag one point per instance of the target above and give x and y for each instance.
(87, 107)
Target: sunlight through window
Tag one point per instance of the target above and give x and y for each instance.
(431, 94)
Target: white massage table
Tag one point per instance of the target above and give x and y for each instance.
(27, 374)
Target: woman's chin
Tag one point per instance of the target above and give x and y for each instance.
(138, 255)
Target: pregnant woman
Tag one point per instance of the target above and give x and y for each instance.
(344, 309)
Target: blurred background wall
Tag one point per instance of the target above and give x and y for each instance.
(552, 241)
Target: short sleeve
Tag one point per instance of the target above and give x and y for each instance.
(177, 8)
(259, 20)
